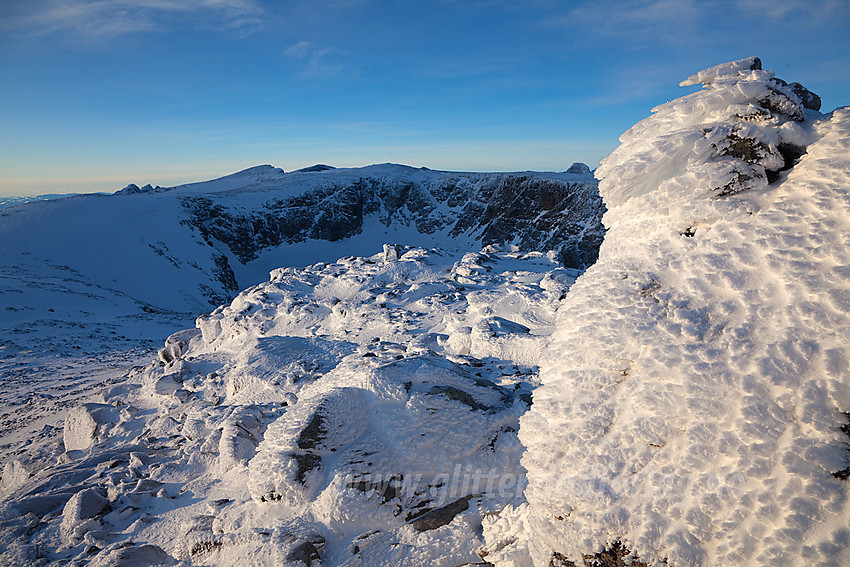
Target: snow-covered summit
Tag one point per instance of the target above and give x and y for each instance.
(694, 397)
(740, 132)
(251, 177)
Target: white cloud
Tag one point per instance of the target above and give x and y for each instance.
(319, 61)
(99, 19)
(806, 13)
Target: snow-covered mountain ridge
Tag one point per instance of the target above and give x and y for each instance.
(681, 402)
(105, 278)
(194, 246)
(532, 211)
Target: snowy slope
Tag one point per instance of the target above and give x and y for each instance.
(681, 402)
(694, 398)
(350, 410)
(6, 202)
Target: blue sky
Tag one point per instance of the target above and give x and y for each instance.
(97, 94)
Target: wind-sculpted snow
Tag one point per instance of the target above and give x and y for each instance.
(737, 134)
(361, 412)
(691, 389)
(693, 399)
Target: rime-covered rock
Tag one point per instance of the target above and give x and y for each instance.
(84, 423)
(693, 399)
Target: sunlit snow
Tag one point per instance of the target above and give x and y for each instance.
(681, 402)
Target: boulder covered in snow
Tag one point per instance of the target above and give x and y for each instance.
(84, 423)
(80, 514)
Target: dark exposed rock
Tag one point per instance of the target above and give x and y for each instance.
(224, 273)
(540, 214)
(758, 160)
(777, 102)
(807, 98)
(457, 395)
(790, 154)
(306, 553)
(203, 548)
(579, 168)
(844, 474)
(388, 489)
(438, 517)
(315, 168)
(130, 189)
(313, 433)
(133, 189)
(617, 555)
(560, 560)
(309, 438)
(530, 212)
(746, 149)
(306, 462)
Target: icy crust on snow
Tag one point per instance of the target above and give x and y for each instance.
(728, 69)
(693, 399)
(360, 412)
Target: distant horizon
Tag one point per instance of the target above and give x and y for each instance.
(112, 185)
(110, 92)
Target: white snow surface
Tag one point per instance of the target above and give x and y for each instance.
(693, 395)
(364, 409)
(689, 389)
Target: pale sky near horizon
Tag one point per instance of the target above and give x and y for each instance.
(98, 94)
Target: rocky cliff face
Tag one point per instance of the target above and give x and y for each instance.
(530, 211)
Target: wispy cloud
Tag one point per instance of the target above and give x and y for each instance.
(104, 19)
(319, 61)
(672, 20)
(683, 21)
(806, 11)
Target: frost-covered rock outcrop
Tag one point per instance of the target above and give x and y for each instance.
(556, 211)
(360, 412)
(694, 397)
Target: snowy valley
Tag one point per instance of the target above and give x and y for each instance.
(446, 368)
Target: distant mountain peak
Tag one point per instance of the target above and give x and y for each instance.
(579, 168)
(255, 170)
(314, 168)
